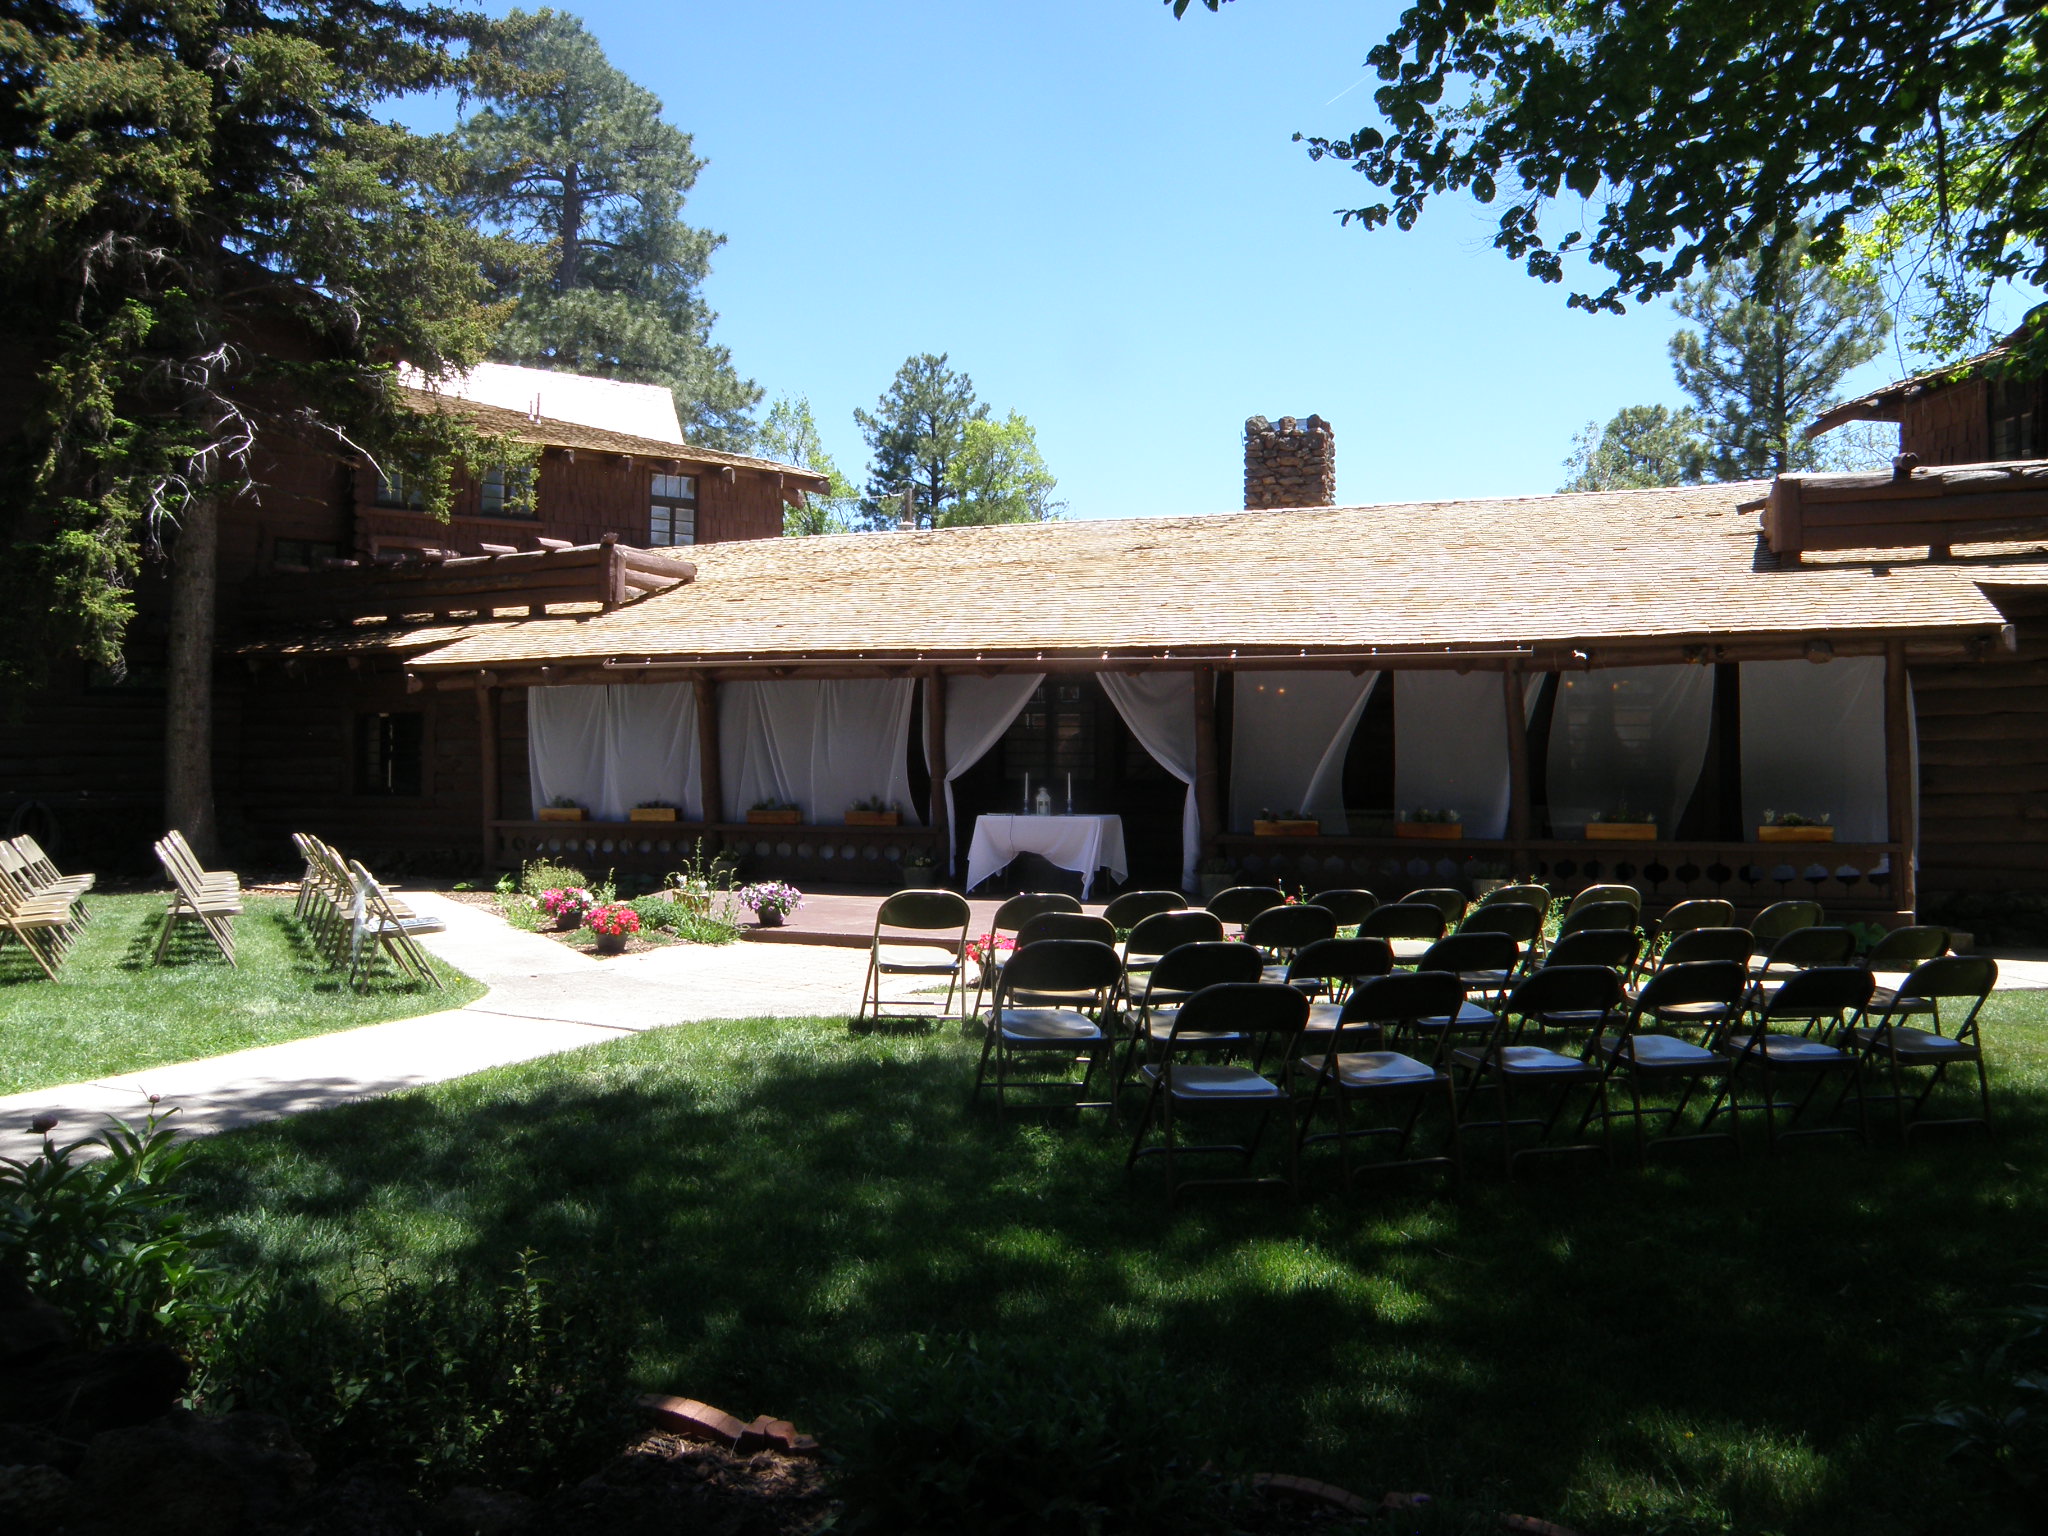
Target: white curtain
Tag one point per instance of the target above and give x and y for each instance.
(819, 745)
(1159, 707)
(1813, 742)
(978, 711)
(609, 748)
(1451, 746)
(1289, 733)
(1628, 738)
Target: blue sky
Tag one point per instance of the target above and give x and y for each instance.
(1097, 211)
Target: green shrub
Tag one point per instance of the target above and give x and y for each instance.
(712, 927)
(974, 1437)
(1998, 919)
(104, 1239)
(538, 875)
(453, 1382)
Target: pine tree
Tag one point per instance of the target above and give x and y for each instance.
(571, 153)
(206, 237)
(915, 432)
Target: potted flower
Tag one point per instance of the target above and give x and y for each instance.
(920, 870)
(770, 901)
(874, 812)
(988, 951)
(1791, 827)
(655, 810)
(613, 924)
(1620, 825)
(1441, 825)
(1487, 877)
(772, 812)
(1270, 823)
(566, 905)
(561, 808)
(1215, 875)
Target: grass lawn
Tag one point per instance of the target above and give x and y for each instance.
(783, 1212)
(112, 1011)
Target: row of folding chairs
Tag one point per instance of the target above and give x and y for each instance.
(39, 904)
(1401, 1042)
(211, 898)
(351, 918)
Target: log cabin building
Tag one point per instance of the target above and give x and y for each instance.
(1676, 663)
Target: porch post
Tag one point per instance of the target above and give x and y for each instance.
(1902, 815)
(487, 744)
(1208, 801)
(1512, 682)
(935, 751)
(710, 782)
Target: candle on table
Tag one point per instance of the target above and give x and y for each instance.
(1027, 789)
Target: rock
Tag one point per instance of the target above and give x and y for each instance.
(482, 1512)
(32, 1498)
(190, 1475)
(367, 1501)
(24, 1445)
(83, 1395)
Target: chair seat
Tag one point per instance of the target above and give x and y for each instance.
(1159, 1023)
(1485, 981)
(1200, 1081)
(1790, 1050)
(1323, 1017)
(1375, 1069)
(1662, 1051)
(1408, 951)
(1048, 1026)
(1470, 1016)
(1528, 1061)
(408, 925)
(1916, 1044)
(1887, 1000)
(1692, 1015)
(916, 960)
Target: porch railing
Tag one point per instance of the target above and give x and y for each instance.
(836, 855)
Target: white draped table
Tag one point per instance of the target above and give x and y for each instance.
(1083, 844)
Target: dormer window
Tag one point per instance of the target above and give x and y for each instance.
(672, 511)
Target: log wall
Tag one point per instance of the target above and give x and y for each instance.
(1948, 426)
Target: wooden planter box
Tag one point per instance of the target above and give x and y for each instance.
(1621, 831)
(786, 818)
(652, 813)
(874, 818)
(1298, 828)
(1434, 831)
(1795, 834)
(560, 813)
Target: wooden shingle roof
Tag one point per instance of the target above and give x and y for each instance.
(1659, 565)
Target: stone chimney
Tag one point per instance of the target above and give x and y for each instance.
(1289, 463)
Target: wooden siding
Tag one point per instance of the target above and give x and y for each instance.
(1948, 426)
(1984, 766)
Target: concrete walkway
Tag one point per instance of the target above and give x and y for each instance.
(544, 997)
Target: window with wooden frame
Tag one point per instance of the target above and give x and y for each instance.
(398, 490)
(302, 554)
(391, 753)
(504, 492)
(2015, 418)
(672, 510)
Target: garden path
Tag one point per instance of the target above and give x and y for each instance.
(544, 997)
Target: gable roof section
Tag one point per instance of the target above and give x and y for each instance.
(643, 410)
(1649, 565)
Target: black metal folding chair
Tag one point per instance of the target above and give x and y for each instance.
(1558, 997)
(1086, 973)
(1962, 982)
(1648, 1045)
(1278, 932)
(1389, 1082)
(1177, 976)
(1821, 1000)
(921, 936)
(1349, 907)
(1409, 927)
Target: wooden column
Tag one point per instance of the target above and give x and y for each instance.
(710, 772)
(1208, 798)
(935, 751)
(1512, 684)
(487, 755)
(1902, 814)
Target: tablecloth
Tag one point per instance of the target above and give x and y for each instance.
(1083, 844)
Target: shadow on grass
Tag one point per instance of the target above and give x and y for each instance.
(788, 1210)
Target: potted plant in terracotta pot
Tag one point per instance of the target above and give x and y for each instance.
(1621, 825)
(770, 901)
(1440, 825)
(566, 904)
(613, 923)
(1791, 827)
(874, 812)
(561, 808)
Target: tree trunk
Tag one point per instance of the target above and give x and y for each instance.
(188, 679)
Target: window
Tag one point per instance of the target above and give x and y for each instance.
(302, 554)
(506, 493)
(395, 490)
(390, 753)
(672, 510)
(2015, 418)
